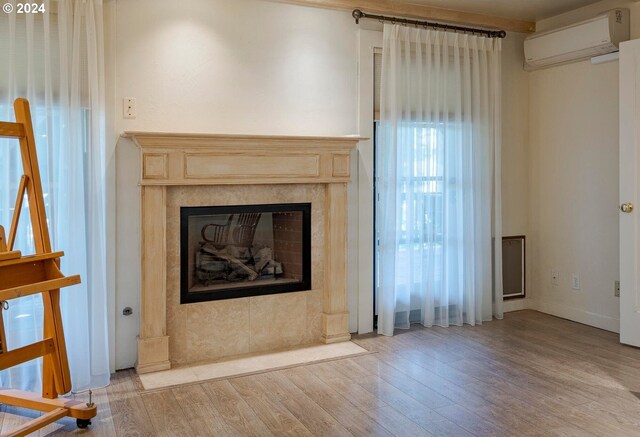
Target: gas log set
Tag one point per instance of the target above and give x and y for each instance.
(220, 260)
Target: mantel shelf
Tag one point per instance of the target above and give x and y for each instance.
(217, 159)
(187, 140)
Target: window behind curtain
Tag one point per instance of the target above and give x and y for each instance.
(425, 185)
(427, 174)
(421, 197)
(23, 322)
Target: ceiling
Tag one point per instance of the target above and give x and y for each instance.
(529, 10)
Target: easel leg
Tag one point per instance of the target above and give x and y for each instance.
(48, 381)
(56, 378)
(3, 240)
(3, 336)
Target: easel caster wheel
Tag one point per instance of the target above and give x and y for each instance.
(83, 423)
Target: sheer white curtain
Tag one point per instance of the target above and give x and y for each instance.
(55, 59)
(439, 211)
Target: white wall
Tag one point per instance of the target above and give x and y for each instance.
(110, 173)
(240, 66)
(573, 131)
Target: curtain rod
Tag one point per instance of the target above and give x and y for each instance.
(358, 15)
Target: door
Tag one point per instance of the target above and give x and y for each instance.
(629, 186)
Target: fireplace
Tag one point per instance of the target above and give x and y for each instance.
(235, 251)
(198, 170)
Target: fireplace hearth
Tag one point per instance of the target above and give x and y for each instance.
(235, 251)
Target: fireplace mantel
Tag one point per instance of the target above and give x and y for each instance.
(199, 159)
(176, 159)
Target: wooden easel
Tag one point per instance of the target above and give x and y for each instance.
(28, 275)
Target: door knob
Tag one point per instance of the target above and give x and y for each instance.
(626, 207)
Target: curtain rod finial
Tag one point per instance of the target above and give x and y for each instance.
(357, 14)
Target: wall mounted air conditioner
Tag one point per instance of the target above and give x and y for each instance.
(594, 37)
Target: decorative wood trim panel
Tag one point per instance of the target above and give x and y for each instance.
(341, 165)
(425, 12)
(153, 354)
(250, 165)
(335, 316)
(153, 248)
(154, 166)
(335, 327)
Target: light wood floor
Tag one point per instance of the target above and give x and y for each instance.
(527, 375)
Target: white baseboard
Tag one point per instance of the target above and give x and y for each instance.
(577, 315)
(516, 305)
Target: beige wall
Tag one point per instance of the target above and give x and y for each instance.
(573, 226)
(515, 137)
(574, 191)
(515, 147)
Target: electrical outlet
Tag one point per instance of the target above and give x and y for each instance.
(129, 107)
(575, 281)
(555, 277)
(616, 288)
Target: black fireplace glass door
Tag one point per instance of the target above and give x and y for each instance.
(244, 250)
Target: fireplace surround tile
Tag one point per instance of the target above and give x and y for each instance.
(215, 331)
(314, 316)
(277, 321)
